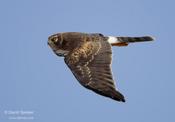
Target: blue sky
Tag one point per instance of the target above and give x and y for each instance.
(34, 79)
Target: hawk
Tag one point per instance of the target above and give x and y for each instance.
(89, 55)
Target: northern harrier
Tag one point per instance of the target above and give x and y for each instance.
(89, 58)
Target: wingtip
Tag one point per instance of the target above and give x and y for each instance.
(123, 100)
(119, 97)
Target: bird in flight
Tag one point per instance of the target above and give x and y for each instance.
(89, 55)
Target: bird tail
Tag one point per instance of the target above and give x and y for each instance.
(124, 41)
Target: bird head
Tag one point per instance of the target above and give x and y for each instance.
(59, 43)
(63, 43)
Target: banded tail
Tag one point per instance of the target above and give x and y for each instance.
(124, 41)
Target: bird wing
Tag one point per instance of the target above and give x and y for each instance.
(91, 65)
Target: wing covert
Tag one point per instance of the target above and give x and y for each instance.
(92, 68)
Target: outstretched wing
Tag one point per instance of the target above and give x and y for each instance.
(91, 65)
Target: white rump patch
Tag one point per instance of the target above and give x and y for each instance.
(112, 40)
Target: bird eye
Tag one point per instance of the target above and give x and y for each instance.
(54, 40)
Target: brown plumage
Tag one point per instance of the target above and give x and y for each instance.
(89, 58)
